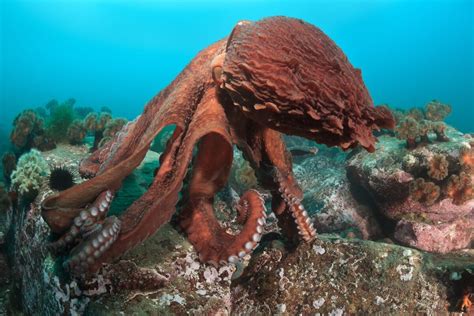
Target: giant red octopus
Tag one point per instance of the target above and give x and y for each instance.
(277, 75)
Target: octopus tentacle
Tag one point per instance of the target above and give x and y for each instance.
(212, 242)
(175, 105)
(98, 242)
(266, 152)
(303, 222)
(155, 207)
(287, 195)
(86, 222)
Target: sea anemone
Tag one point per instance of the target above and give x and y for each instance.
(437, 111)
(438, 167)
(424, 128)
(408, 129)
(76, 132)
(96, 124)
(416, 114)
(439, 128)
(466, 158)
(90, 122)
(460, 188)
(61, 178)
(424, 191)
(26, 126)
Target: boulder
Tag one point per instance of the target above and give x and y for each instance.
(334, 276)
(387, 178)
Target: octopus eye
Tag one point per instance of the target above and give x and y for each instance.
(216, 68)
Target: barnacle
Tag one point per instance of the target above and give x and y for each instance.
(460, 188)
(438, 167)
(424, 191)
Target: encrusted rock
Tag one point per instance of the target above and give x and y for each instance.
(335, 276)
(405, 188)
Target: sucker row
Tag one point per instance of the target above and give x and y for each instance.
(86, 222)
(248, 209)
(86, 253)
(302, 220)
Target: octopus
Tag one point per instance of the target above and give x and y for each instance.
(271, 77)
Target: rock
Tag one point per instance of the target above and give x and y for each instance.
(385, 178)
(441, 238)
(334, 276)
(329, 199)
(190, 286)
(163, 275)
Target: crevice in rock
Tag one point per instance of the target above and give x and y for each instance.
(361, 195)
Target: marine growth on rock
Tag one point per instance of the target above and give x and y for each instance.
(438, 167)
(29, 175)
(416, 124)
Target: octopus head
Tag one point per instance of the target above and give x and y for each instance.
(288, 75)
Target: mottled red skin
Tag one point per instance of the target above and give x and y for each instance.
(314, 92)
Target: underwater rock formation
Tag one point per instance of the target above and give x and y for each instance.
(427, 192)
(37, 284)
(329, 198)
(166, 266)
(333, 276)
(163, 275)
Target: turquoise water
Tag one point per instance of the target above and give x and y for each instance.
(121, 53)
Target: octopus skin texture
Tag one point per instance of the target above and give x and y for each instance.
(277, 75)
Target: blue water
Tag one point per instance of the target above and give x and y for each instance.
(121, 53)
